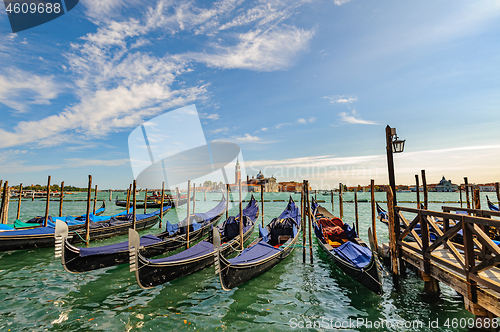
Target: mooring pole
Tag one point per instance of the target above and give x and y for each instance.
(19, 201)
(309, 214)
(331, 194)
(461, 204)
(426, 192)
(47, 205)
(497, 190)
(374, 214)
(341, 203)
(134, 199)
(145, 200)
(227, 201)
(241, 213)
(87, 219)
(188, 213)
(417, 186)
(356, 209)
(162, 201)
(194, 197)
(393, 237)
(4, 196)
(466, 181)
(304, 214)
(95, 198)
(5, 216)
(262, 202)
(61, 199)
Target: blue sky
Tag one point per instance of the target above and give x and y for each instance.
(306, 88)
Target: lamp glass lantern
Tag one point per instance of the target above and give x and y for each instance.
(398, 145)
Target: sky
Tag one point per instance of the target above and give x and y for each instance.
(305, 88)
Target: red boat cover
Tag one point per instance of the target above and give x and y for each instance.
(332, 229)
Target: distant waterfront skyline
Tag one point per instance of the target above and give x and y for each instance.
(306, 88)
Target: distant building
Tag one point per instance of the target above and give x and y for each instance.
(237, 172)
(291, 186)
(270, 184)
(445, 186)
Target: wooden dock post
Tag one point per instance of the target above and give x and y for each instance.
(61, 199)
(87, 219)
(466, 181)
(127, 204)
(145, 200)
(497, 190)
(341, 206)
(188, 213)
(47, 205)
(417, 186)
(95, 198)
(431, 285)
(303, 214)
(134, 204)
(162, 201)
(393, 236)
(374, 213)
(309, 214)
(194, 198)
(477, 199)
(461, 205)
(5, 215)
(205, 192)
(426, 196)
(4, 197)
(356, 209)
(331, 194)
(262, 202)
(110, 194)
(19, 201)
(227, 201)
(241, 213)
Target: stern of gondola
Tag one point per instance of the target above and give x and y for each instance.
(134, 244)
(221, 264)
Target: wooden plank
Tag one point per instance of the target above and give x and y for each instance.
(410, 228)
(483, 237)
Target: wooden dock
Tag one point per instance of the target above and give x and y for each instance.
(467, 261)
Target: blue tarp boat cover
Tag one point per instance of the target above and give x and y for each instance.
(255, 253)
(355, 254)
(117, 247)
(200, 249)
(231, 227)
(197, 220)
(4, 227)
(31, 231)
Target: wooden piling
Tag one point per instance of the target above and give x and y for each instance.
(19, 201)
(87, 219)
(241, 213)
(309, 218)
(356, 209)
(417, 186)
(497, 190)
(477, 199)
(110, 194)
(341, 203)
(205, 192)
(5, 215)
(331, 195)
(194, 198)
(134, 204)
(461, 205)
(374, 214)
(466, 182)
(162, 201)
(262, 202)
(303, 213)
(47, 204)
(129, 192)
(426, 196)
(4, 197)
(95, 199)
(145, 200)
(188, 213)
(61, 198)
(227, 201)
(392, 238)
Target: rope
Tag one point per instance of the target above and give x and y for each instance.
(378, 282)
(79, 236)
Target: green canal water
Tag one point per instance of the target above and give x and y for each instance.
(38, 295)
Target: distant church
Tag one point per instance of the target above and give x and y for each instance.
(446, 186)
(254, 184)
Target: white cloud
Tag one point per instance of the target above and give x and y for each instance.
(312, 119)
(280, 125)
(213, 116)
(340, 2)
(220, 130)
(354, 118)
(263, 129)
(247, 138)
(16, 87)
(339, 99)
(257, 50)
(301, 121)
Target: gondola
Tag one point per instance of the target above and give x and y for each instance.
(101, 227)
(154, 204)
(492, 206)
(51, 221)
(342, 245)
(276, 241)
(76, 259)
(154, 272)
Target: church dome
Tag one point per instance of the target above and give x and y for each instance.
(260, 175)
